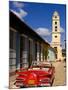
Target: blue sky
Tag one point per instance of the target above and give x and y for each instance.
(39, 17)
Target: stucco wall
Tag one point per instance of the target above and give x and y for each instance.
(51, 55)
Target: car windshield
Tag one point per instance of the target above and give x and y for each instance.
(40, 68)
(35, 68)
(45, 68)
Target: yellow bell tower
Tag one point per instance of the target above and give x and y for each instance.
(56, 35)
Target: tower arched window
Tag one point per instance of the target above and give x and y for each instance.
(55, 22)
(55, 28)
(55, 16)
(55, 36)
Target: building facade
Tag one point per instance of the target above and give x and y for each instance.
(26, 45)
(56, 35)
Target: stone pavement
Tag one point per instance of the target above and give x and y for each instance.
(11, 82)
(60, 74)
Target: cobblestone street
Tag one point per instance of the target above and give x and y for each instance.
(60, 74)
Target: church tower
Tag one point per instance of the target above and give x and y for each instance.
(56, 35)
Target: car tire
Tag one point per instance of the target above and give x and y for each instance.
(22, 86)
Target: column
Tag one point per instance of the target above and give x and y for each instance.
(41, 53)
(38, 51)
(17, 50)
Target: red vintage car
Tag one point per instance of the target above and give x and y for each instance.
(37, 75)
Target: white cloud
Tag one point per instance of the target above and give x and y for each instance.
(43, 31)
(61, 30)
(18, 4)
(20, 14)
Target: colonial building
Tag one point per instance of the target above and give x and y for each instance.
(26, 45)
(56, 35)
